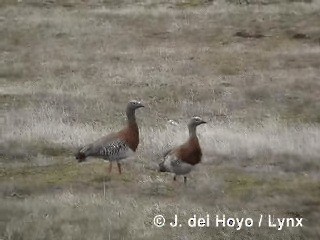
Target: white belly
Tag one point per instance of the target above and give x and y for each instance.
(176, 166)
(121, 154)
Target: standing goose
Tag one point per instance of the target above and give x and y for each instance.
(115, 146)
(182, 159)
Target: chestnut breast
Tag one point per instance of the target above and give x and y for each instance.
(190, 152)
(130, 136)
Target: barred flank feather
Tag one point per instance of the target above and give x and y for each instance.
(117, 145)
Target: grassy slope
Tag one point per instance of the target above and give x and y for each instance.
(68, 68)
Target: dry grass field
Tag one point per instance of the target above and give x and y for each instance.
(250, 68)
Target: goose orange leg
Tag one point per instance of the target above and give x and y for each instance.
(119, 167)
(110, 167)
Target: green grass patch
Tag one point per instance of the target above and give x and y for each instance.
(11, 72)
(25, 150)
(242, 186)
(9, 101)
(30, 180)
(192, 3)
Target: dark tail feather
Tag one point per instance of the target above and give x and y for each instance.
(80, 156)
(83, 153)
(162, 167)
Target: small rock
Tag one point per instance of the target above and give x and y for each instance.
(300, 36)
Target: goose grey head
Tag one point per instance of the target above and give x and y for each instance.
(196, 121)
(134, 104)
